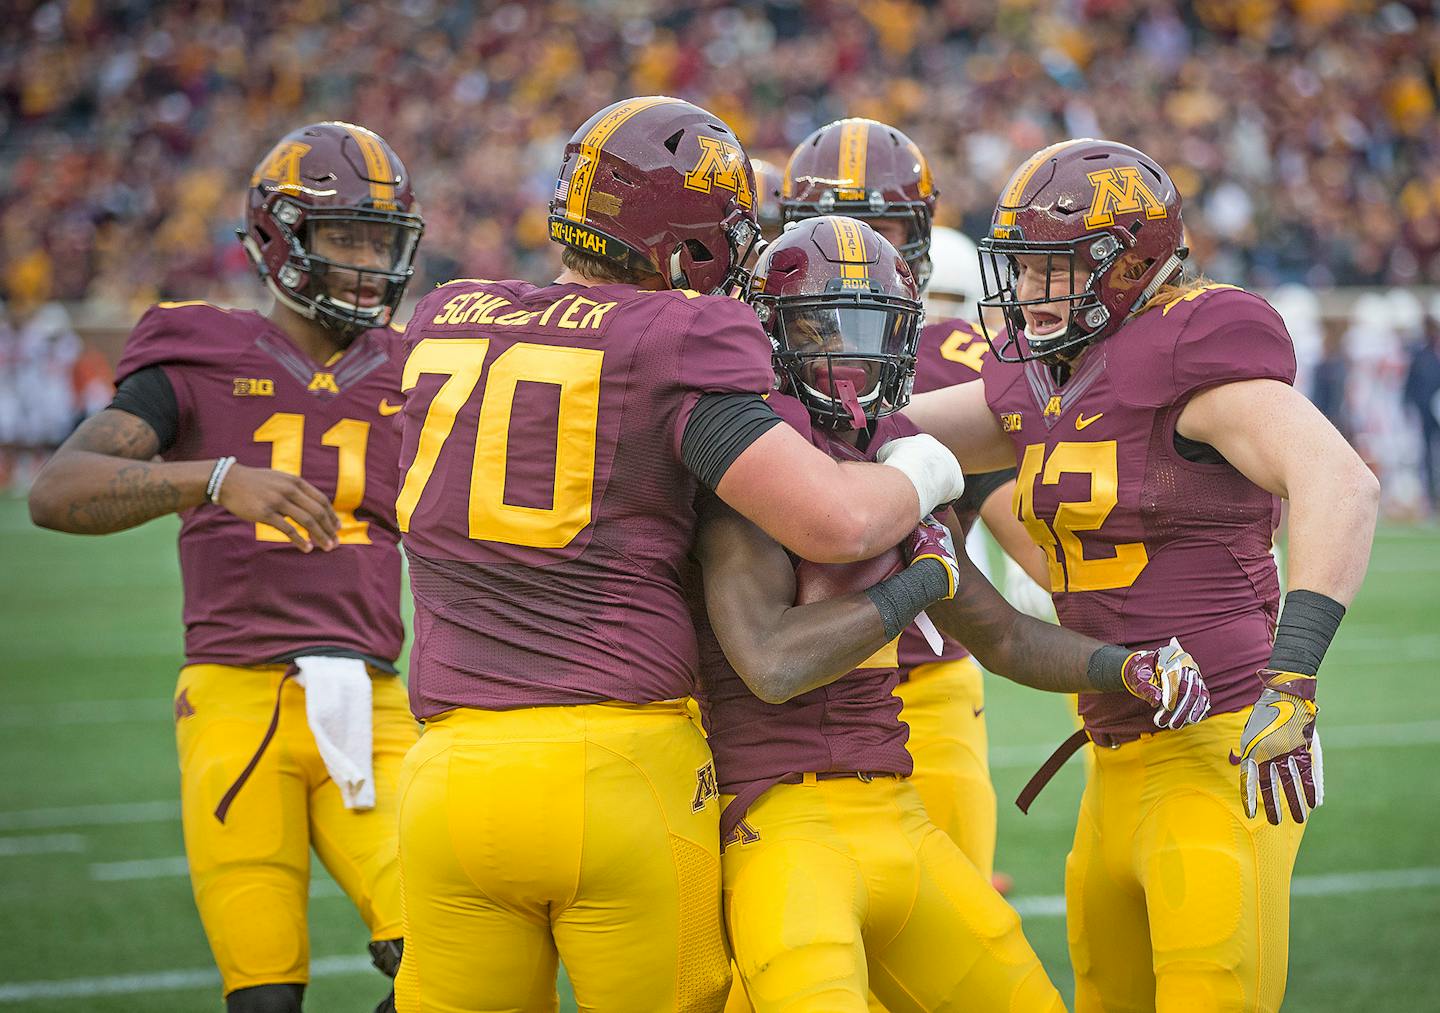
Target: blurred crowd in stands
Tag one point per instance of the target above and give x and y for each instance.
(1303, 133)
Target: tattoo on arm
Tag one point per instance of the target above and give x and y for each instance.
(102, 479)
(133, 495)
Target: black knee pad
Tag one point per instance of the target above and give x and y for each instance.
(385, 955)
(265, 999)
(387, 1005)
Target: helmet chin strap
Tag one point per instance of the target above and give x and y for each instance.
(1171, 265)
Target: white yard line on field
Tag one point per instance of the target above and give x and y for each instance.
(158, 981)
(104, 814)
(42, 844)
(1375, 881)
(1379, 736)
(176, 867)
(1029, 907)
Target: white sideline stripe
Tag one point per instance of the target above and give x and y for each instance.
(89, 712)
(104, 814)
(42, 844)
(1028, 907)
(160, 981)
(1053, 906)
(1400, 733)
(176, 867)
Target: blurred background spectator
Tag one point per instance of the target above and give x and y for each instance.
(1303, 133)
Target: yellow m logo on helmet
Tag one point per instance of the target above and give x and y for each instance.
(282, 166)
(721, 164)
(1120, 190)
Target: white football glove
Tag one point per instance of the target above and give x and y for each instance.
(929, 466)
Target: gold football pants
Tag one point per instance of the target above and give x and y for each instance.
(1176, 901)
(588, 834)
(251, 873)
(849, 887)
(944, 702)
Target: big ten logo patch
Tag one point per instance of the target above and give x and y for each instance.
(1010, 422)
(1120, 190)
(706, 786)
(245, 386)
(721, 164)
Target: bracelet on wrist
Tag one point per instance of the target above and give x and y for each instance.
(217, 478)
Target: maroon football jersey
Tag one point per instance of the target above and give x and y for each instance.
(852, 724)
(1142, 543)
(243, 389)
(950, 352)
(546, 509)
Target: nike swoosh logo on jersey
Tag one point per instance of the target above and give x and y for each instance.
(1081, 421)
(979, 710)
(386, 408)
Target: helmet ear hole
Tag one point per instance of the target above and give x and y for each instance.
(672, 143)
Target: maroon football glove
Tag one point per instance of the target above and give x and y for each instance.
(1279, 750)
(932, 540)
(1169, 681)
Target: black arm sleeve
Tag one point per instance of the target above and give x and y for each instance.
(148, 396)
(979, 487)
(720, 428)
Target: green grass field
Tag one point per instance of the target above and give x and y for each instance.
(97, 913)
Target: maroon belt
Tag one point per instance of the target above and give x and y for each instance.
(734, 812)
(234, 789)
(1058, 759)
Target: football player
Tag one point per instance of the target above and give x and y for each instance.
(835, 879)
(1156, 431)
(873, 172)
(560, 803)
(275, 439)
(767, 198)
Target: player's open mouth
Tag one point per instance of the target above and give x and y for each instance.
(1043, 323)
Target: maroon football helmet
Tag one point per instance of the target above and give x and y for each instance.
(1103, 212)
(664, 181)
(329, 174)
(767, 196)
(843, 314)
(867, 170)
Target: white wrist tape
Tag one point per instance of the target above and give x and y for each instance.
(929, 466)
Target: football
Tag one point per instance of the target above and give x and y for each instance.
(819, 581)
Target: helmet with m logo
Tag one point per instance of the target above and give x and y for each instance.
(1103, 213)
(664, 182)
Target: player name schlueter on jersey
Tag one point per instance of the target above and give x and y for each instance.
(242, 388)
(544, 529)
(1143, 543)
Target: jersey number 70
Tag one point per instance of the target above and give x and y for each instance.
(576, 371)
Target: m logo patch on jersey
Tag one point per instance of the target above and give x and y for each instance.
(1010, 421)
(1053, 407)
(721, 164)
(706, 786)
(244, 386)
(1120, 190)
(323, 380)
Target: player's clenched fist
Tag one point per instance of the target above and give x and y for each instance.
(1279, 751)
(1170, 681)
(931, 468)
(276, 498)
(932, 540)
